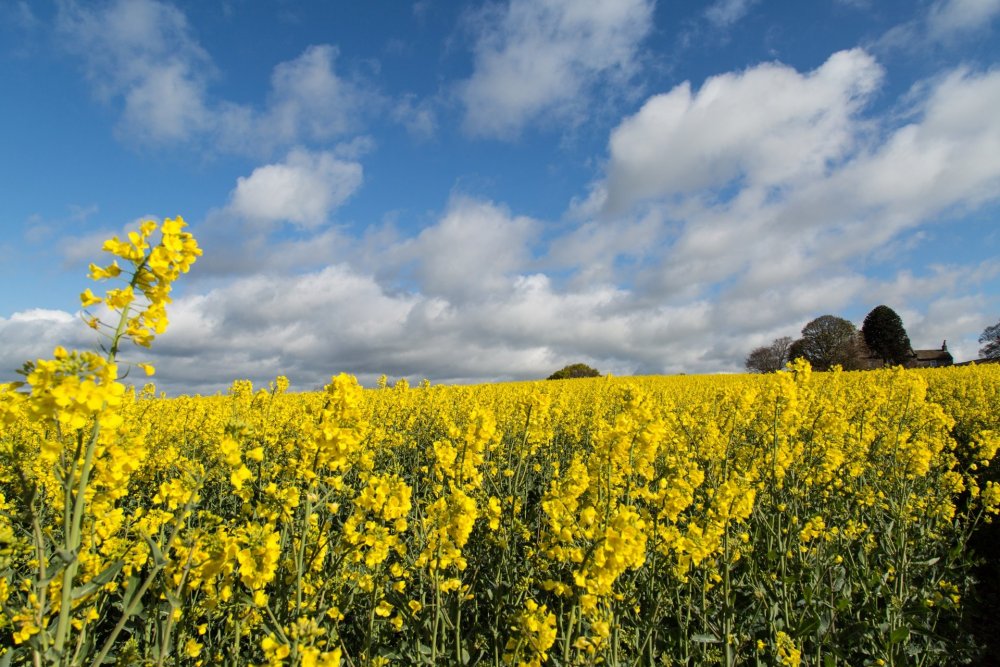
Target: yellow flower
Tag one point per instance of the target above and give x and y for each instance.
(192, 648)
(274, 651)
(88, 299)
(536, 631)
(788, 653)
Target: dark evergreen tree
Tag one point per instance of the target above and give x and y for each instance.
(885, 336)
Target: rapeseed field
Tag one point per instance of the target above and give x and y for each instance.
(797, 518)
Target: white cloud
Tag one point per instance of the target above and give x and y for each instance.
(309, 99)
(939, 279)
(304, 189)
(768, 125)
(795, 190)
(944, 23)
(544, 57)
(943, 317)
(948, 18)
(724, 13)
(166, 104)
(42, 315)
(34, 334)
(339, 319)
(145, 53)
(734, 213)
(474, 251)
(417, 116)
(950, 155)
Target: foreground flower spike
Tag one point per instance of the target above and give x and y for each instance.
(141, 303)
(70, 456)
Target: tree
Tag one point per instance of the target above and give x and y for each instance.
(797, 350)
(991, 342)
(828, 341)
(575, 371)
(885, 336)
(769, 358)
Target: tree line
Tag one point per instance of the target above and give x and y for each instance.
(829, 341)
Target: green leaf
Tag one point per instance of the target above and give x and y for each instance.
(807, 627)
(898, 635)
(825, 620)
(131, 590)
(98, 581)
(159, 560)
(173, 599)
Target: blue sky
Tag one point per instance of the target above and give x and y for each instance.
(486, 191)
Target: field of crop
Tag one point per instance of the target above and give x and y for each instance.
(795, 518)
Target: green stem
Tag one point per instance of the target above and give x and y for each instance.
(136, 600)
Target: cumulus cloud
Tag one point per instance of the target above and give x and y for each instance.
(944, 316)
(304, 189)
(767, 125)
(81, 249)
(339, 319)
(939, 279)
(309, 94)
(471, 253)
(308, 101)
(144, 53)
(780, 211)
(949, 155)
(34, 334)
(535, 58)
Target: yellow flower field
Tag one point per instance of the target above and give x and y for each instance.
(795, 518)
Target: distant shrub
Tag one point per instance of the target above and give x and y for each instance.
(575, 371)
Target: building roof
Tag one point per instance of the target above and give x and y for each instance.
(932, 355)
(978, 362)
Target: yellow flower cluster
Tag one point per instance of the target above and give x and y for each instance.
(535, 633)
(154, 270)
